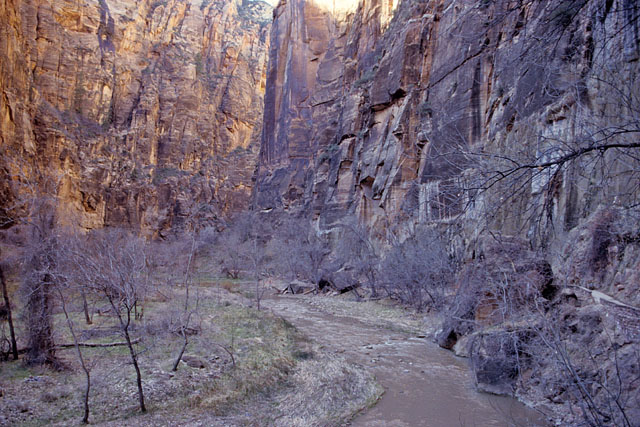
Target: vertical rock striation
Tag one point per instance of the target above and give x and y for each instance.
(142, 111)
(314, 56)
(391, 112)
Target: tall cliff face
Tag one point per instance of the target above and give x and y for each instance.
(409, 113)
(141, 111)
(314, 56)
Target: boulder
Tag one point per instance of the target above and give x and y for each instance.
(494, 363)
(462, 348)
(195, 361)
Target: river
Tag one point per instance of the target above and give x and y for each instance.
(424, 384)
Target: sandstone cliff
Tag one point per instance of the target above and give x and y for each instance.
(440, 111)
(389, 118)
(139, 111)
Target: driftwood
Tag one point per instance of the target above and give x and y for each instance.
(350, 288)
(325, 286)
(97, 345)
(296, 287)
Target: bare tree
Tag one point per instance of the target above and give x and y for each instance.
(175, 254)
(573, 140)
(360, 253)
(8, 313)
(530, 329)
(39, 267)
(114, 265)
(34, 209)
(255, 248)
(244, 246)
(287, 243)
(86, 368)
(314, 253)
(230, 255)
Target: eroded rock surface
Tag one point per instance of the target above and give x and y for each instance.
(391, 112)
(141, 111)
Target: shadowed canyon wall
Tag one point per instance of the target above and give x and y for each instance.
(513, 127)
(139, 112)
(392, 112)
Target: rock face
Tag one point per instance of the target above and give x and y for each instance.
(141, 112)
(402, 113)
(499, 121)
(309, 107)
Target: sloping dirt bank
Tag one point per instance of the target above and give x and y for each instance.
(424, 384)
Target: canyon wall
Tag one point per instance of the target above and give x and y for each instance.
(512, 127)
(134, 113)
(392, 112)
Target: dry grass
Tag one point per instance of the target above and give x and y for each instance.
(262, 346)
(278, 376)
(326, 391)
(227, 285)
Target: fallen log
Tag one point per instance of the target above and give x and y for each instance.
(349, 288)
(97, 345)
(298, 287)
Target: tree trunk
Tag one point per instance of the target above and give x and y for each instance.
(85, 368)
(7, 303)
(134, 359)
(85, 418)
(186, 274)
(258, 294)
(182, 350)
(41, 345)
(85, 307)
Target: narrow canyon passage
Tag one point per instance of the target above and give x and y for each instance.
(424, 384)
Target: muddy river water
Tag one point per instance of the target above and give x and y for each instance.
(424, 384)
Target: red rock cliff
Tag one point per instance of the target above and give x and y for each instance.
(142, 110)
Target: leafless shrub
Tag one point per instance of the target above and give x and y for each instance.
(177, 264)
(314, 255)
(358, 252)
(580, 360)
(418, 271)
(528, 332)
(301, 250)
(243, 247)
(230, 253)
(287, 244)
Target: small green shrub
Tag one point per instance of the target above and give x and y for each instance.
(199, 64)
(366, 78)
(425, 108)
(165, 173)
